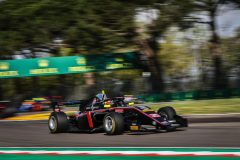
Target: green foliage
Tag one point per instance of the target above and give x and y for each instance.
(106, 26)
(230, 48)
(231, 51)
(93, 26)
(125, 74)
(175, 58)
(173, 12)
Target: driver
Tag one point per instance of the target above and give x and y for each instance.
(93, 103)
(100, 97)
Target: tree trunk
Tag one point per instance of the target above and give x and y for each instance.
(215, 51)
(62, 88)
(89, 79)
(150, 49)
(18, 86)
(35, 86)
(90, 84)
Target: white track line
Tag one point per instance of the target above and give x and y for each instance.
(126, 153)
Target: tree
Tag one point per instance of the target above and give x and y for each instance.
(169, 13)
(231, 54)
(90, 26)
(175, 58)
(212, 8)
(86, 26)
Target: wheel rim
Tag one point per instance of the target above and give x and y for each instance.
(52, 123)
(164, 115)
(108, 123)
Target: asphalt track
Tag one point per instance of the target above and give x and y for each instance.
(36, 134)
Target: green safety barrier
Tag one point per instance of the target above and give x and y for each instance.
(68, 64)
(191, 95)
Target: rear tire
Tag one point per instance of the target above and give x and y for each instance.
(113, 124)
(168, 112)
(58, 122)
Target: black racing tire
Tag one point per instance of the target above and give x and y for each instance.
(113, 124)
(8, 112)
(58, 122)
(168, 112)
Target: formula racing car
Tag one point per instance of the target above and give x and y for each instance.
(113, 116)
(38, 104)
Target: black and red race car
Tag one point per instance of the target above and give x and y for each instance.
(114, 116)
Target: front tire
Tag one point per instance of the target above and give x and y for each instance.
(168, 112)
(113, 124)
(58, 122)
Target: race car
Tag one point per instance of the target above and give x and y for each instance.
(39, 103)
(35, 104)
(114, 116)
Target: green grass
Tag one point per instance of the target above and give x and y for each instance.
(202, 106)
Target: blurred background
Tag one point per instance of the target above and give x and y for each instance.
(188, 49)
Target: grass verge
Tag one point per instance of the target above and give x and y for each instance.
(202, 106)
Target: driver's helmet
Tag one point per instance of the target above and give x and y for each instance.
(101, 96)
